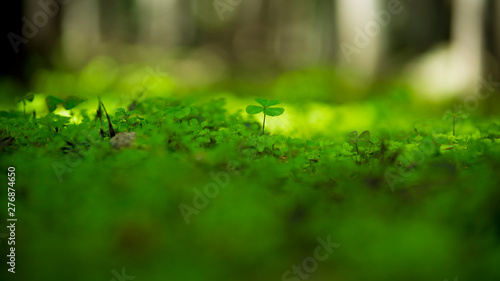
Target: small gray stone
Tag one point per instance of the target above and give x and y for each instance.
(122, 140)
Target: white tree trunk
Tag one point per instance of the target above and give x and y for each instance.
(467, 42)
(358, 50)
(455, 68)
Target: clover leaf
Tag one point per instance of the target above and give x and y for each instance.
(353, 138)
(266, 109)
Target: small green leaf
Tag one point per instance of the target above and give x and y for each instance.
(120, 112)
(29, 97)
(71, 102)
(183, 112)
(365, 136)
(52, 102)
(273, 102)
(262, 102)
(254, 109)
(194, 122)
(352, 137)
(275, 111)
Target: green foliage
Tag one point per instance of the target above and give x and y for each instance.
(355, 139)
(69, 103)
(254, 109)
(266, 108)
(28, 97)
(454, 116)
(52, 102)
(274, 111)
(389, 200)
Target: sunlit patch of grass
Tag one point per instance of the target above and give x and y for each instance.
(310, 118)
(38, 105)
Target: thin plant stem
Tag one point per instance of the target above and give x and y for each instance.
(264, 123)
(454, 125)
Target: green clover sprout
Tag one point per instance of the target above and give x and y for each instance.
(29, 97)
(68, 104)
(266, 108)
(353, 138)
(454, 115)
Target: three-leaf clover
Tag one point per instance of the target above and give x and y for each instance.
(266, 108)
(353, 138)
(70, 102)
(52, 102)
(454, 115)
(29, 97)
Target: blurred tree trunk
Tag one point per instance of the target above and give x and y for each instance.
(297, 32)
(46, 21)
(496, 28)
(162, 22)
(454, 68)
(80, 31)
(467, 42)
(360, 36)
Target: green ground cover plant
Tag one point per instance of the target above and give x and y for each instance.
(257, 203)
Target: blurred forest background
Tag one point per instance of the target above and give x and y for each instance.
(441, 48)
